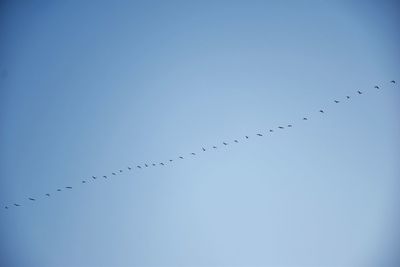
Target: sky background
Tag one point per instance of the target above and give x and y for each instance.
(88, 88)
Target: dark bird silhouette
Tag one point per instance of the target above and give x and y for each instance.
(59, 190)
(259, 134)
(236, 141)
(321, 111)
(162, 164)
(129, 168)
(304, 119)
(359, 92)
(83, 182)
(393, 81)
(203, 149)
(214, 147)
(68, 187)
(17, 205)
(270, 130)
(336, 101)
(247, 137)
(31, 199)
(48, 195)
(94, 177)
(146, 165)
(120, 170)
(194, 154)
(105, 176)
(153, 164)
(138, 166)
(225, 143)
(181, 157)
(348, 97)
(289, 125)
(6, 207)
(280, 127)
(171, 160)
(376, 87)
(113, 173)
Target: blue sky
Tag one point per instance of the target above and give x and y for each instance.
(91, 88)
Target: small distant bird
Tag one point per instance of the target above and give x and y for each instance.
(336, 101)
(289, 125)
(376, 87)
(321, 111)
(129, 168)
(113, 173)
(120, 170)
(181, 157)
(247, 137)
(393, 81)
(280, 127)
(69, 187)
(236, 141)
(304, 119)
(48, 195)
(348, 97)
(203, 149)
(146, 165)
(194, 154)
(83, 182)
(59, 190)
(270, 130)
(31, 199)
(214, 147)
(94, 177)
(153, 164)
(105, 176)
(16, 205)
(138, 166)
(6, 207)
(259, 134)
(162, 163)
(359, 92)
(225, 143)
(171, 160)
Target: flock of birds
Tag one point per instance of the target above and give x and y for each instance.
(203, 149)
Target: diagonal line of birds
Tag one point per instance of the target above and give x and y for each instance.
(321, 112)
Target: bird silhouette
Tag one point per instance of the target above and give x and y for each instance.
(129, 168)
(348, 97)
(181, 157)
(236, 141)
(162, 164)
(304, 119)
(280, 127)
(259, 134)
(203, 149)
(336, 101)
(105, 176)
(194, 154)
(17, 205)
(59, 190)
(153, 164)
(83, 182)
(376, 87)
(359, 92)
(31, 199)
(289, 125)
(271, 131)
(247, 137)
(68, 187)
(138, 167)
(214, 147)
(6, 207)
(171, 160)
(120, 170)
(321, 111)
(393, 81)
(94, 177)
(113, 173)
(146, 165)
(47, 194)
(225, 143)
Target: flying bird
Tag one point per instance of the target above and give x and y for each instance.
(289, 125)
(146, 165)
(129, 168)
(105, 176)
(203, 149)
(153, 164)
(113, 173)
(280, 127)
(304, 119)
(83, 182)
(393, 81)
(59, 190)
(194, 154)
(120, 170)
(214, 147)
(162, 163)
(376, 87)
(336, 101)
(225, 143)
(138, 166)
(348, 97)
(94, 177)
(171, 160)
(259, 134)
(68, 187)
(48, 195)
(236, 141)
(359, 92)
(6, 207)
(16, 205)
(270, 130)
(247, 137)
(321, 111)
(31, 199)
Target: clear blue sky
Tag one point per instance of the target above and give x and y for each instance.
(88, 88)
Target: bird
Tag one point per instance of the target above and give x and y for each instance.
(59, 190)
(129, 168)
(236, 141)
(138, 166)
(304, 119)
(194, 154)
(120, 170)
(247, 137)
(359, 92)
(393, 81)
(83, 182)
(348, 97)
(336, 101)
(6, 207)
(113, 173)
(321, 111)
(162, 163)
(48, 194)
(94, 177)
(153, 164)
(225, 143)
(259, 134)
(203, 149)
(289, 125)
(105, 176)
(68, 187)
(171, 160)
(280, 127)
(16, 205)
(146, 165)
(31, 199)
(214, 147)
(270, 130)
(376, 87)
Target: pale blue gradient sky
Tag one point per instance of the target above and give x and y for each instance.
(94, 87)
